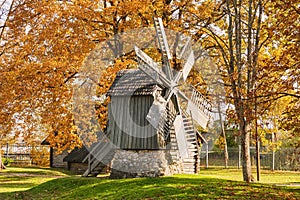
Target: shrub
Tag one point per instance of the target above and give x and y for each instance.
(7, 161)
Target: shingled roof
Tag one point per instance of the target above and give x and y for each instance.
(132, 82)
(77, 155)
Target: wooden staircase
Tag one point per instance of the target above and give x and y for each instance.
(99, 157)
(173, 146)
(191, 165)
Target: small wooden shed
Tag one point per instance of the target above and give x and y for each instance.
(132, 95)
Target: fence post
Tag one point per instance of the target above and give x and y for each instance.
(239, 159)
(273, 160)
(6, 150)
(273, 152)
(206, 155)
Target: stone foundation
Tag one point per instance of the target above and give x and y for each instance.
(78, 168)
(58, 160)
(143, 163)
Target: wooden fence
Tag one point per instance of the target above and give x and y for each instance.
(282, 159)
(25, 155)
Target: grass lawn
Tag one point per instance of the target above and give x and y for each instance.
(37, 183)
(15, 179)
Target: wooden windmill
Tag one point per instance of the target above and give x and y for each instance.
(150, 98)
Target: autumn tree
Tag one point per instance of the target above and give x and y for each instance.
(46, 43)
(278, 70)
(257, 56)
(5, 12)
(235, 38)
(284, 28)
(282, 67)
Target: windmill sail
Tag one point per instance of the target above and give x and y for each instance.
(198, 115)
(188, 66)
(186, 50)
(188, 55)
(147, 65)
(164, 46)
(180, 136)
(199, 107)
(162, 39)
(156, 112)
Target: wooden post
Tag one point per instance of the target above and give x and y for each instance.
(6, 150)
(273, 154)
(206, 155)
(240, 154)
(257, 159)
(89, 164)
(257, 143)
(273, 160)
(1, 163)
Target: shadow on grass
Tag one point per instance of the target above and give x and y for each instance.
(17, 185)
(36, 171)
(152, 188)
(16, 182)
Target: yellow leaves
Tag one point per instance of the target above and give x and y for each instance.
(40, 156)
(220, 142)
(107, 78)
(64, 139)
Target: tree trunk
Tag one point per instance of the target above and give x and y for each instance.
(223, 135)
(226, 157)
(246, 158)
(2, 166)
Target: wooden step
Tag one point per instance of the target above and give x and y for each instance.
(190, 140)
(189, 160)
(190, 132)
(189, 171)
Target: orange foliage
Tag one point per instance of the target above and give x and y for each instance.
(40, 156)
(43, 47)
(107, 78)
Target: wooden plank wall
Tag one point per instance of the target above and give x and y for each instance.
(128, 127)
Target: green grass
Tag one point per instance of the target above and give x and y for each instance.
(19, 179)
(266, 176)
(209, 184)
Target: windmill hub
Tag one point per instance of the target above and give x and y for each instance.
(173, 85)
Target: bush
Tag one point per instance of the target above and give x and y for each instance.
(40, 156)
(7, 161)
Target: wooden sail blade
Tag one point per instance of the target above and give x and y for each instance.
(157, 112)
(186, 50)
(198, 115)
(142, 56)
(162, 39)
(187, 55)
(164, 46)
(188, 66)
(148, 66)
(197, 104)
(181, 138)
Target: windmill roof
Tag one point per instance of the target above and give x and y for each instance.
(132, 82)
(77, 155)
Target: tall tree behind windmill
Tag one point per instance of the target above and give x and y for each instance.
(240, 24)
(5, 11)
